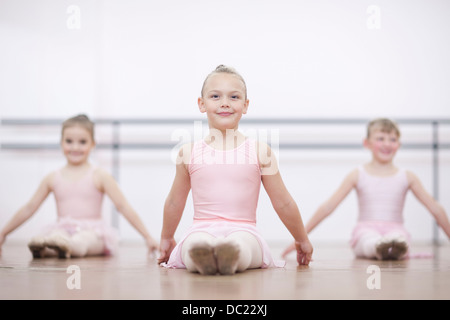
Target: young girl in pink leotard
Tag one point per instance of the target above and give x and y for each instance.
(225, 171)
(78, 188)
(381, 188)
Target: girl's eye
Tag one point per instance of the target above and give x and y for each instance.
(235, 97)
(214, 96)
(83, 141)
(68, 140)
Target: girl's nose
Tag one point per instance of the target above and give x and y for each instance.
(225, 103)
(76, 146)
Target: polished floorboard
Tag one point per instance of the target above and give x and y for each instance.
(132, 274)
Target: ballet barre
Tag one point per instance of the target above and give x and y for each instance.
(117, 123)
(116, 145)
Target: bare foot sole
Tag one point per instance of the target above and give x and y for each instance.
(61, 245)
(203, 257)
(391, 248)
(37, 247)
(399, 248)
(37, 251)
(383, 248)
(227, 255)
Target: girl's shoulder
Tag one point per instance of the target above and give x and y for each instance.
(263, 149)
(184, 153)
(99, 173)
(353, 176)
(50, 178)
(266, 157)
(186, 148)
(411, 177)
(101, 176)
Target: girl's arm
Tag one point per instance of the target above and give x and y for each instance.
(174, 206)
(284, 204)
(330, 205)
(25, 212)
(429, 202)
(108, 185)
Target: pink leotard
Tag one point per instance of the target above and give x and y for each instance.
(79, 208)
(225, 189)
(225, 184)
(381, 198)
(381, 201)
(77, 199)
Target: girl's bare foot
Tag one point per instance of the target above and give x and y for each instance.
(227, 255)
(60, 244)
(37, 247)
(202, 255)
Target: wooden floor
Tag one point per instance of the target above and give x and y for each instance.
(334, 274)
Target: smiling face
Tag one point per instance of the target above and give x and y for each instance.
(384, 145)
(224, 101)
(76, 143)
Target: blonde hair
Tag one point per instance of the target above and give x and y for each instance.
(225, 69)
(384, 125)
(79, 120)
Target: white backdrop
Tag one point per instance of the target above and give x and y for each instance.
(116, 58)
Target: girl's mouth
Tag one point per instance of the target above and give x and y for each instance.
(224, 114)
(386, 152)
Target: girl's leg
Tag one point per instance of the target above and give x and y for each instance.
(59, 240)
(238, 252)
(392, 246)
(86, 243)
(366, 246)
(197, 253)
(38, 247)
(80, 244)
(203, 253)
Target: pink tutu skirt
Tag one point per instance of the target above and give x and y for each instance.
(222, 228)
(109, 234)
(381, 227)
(385, 228)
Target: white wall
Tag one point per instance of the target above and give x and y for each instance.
(333, 59)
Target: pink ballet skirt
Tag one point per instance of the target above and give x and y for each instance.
(109, 234)
(222, 228)
(384, 228)
(380, 227)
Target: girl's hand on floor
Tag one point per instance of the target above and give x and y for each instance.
(304, 252)
(152, 246)
(165, 249)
